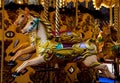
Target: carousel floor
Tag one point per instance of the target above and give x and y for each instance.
(106, 80)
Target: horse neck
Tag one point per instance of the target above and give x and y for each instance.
(32, 36)
(41, 33)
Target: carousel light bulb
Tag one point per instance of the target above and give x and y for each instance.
(97, 4)
(0, 4)
(42, 2)
(81, 0)
(19, 2)
(106, 3)
(60, 4)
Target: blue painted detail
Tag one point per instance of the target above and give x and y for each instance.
(69, 33)
(59, 46)
(82, 45)
(35, 24)
(106, 80)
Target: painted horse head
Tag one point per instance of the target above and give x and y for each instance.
(24, 16)
(41, 27)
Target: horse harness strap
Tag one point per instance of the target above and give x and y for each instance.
(35, 24)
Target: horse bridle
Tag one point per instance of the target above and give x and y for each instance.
(35, 24)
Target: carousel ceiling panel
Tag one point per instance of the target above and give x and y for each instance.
(36, 2)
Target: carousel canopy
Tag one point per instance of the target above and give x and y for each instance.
(37, 5)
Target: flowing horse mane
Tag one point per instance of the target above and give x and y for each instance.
(48, 28)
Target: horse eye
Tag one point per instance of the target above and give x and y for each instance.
(31, 23)
(22, 16)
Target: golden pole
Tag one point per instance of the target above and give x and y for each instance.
(111, 16)
(2, 52)
(57, 19)
(76, 13)
(0, 4)
(86, 5)
(57, 22)
(46, 5)
(116, 25)
(116, 18)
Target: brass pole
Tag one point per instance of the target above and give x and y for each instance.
(57, 18)
(116, 25)
(111, 16)
(2, 52)
(76, 13)
(116, 18)
(46, 5)
(86, 4)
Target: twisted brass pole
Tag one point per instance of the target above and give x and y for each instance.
(57, 19)
(116, 25)
(46, 6)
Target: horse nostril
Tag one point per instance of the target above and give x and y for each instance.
(22, 31)
(16, 24)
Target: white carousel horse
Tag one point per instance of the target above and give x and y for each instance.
(26, 47)
(23, 48)
(46, 49)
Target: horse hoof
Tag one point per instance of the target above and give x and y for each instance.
(12, 63)
(11, 54)
(15, 74)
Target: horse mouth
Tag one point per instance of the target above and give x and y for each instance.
(23, 32)
(17, 24)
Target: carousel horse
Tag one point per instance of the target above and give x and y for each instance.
(24, 48)
(22, 19)
(106, 40)
(46, 49)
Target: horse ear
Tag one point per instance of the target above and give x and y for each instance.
(35, 14)
(20, 11)
(27, 11)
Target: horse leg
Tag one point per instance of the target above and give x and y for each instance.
(21, 46)
(104, 69)
(35, 61)
(90, 60)
(23, 51)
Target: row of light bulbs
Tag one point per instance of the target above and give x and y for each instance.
(64, 2)
(37, 2)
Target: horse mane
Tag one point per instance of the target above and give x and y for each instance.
(113, 33)
(32, 13)
(48, 28)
